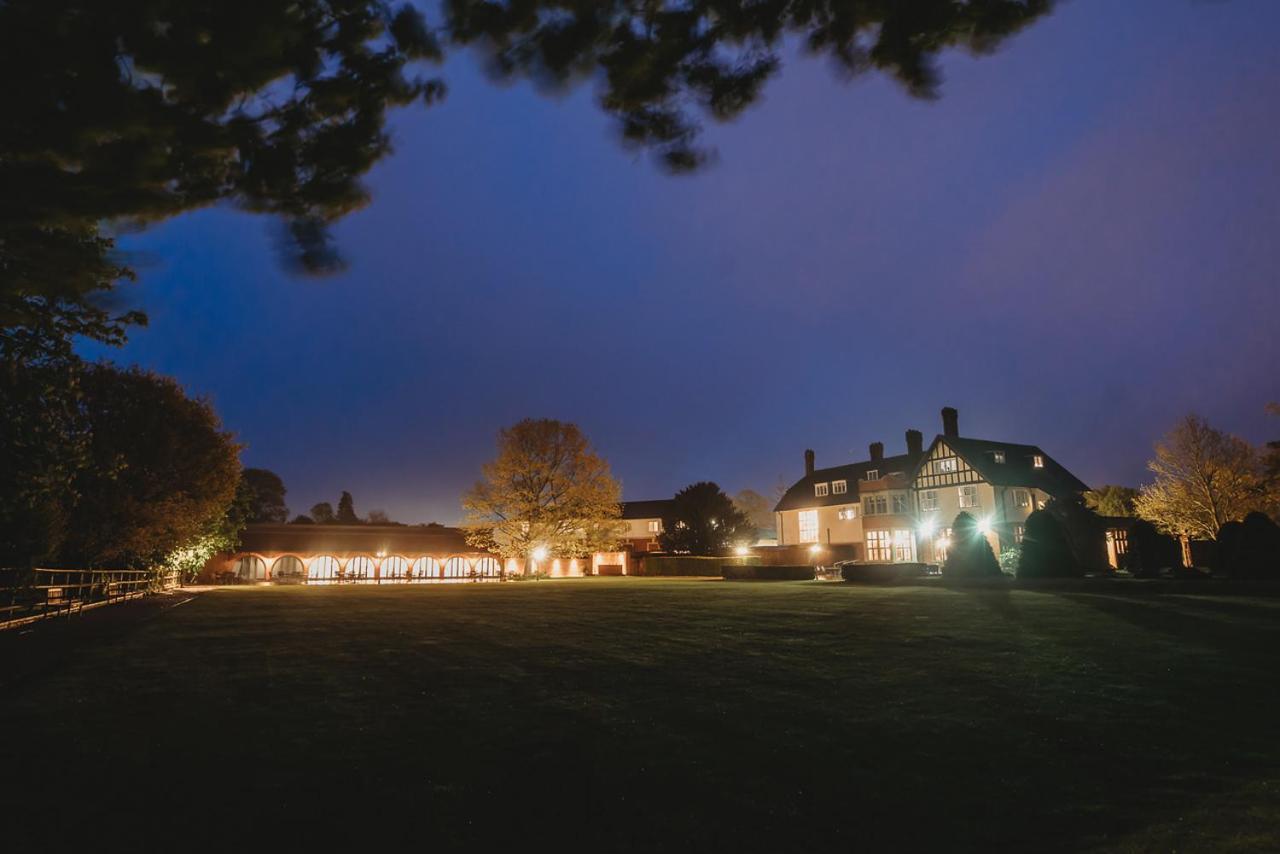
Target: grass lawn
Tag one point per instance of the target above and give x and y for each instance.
(633, 714)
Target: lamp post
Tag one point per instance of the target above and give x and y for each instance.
(536, 556)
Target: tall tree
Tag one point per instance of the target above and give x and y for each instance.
(220, 536)
(546, 489)
(322, 513)
(1204, 478)
(702, 520)
(1111, 500)
(265, 491)
(162, 471)
(755, 507)
(346, 510)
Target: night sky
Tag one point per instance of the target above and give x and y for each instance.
(1076, 245)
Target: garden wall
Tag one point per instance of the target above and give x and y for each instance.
(689, 565)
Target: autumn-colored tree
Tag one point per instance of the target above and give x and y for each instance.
(1204, 478)
(1271, 464)
(546, 489)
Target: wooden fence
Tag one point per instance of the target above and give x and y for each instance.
(27, 595)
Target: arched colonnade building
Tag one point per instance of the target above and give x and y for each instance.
(370, 554)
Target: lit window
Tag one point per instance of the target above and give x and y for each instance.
(1121, 539)
(808, 526)
(655, 526)
(1037, 461)
(848, 513)
(900, 504)
(901, 545)
(879, 546)
(820, 489)
(1021, 498)
(1018, 532)
(947, 465)
(1041, 503)
(929, 500)
(876, 505)
(998, 456)
(941, 544)
(873, 474)
(839, 487)
(968, 496)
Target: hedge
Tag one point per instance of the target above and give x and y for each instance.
(881, 571)
(689, 565)
(755, 572)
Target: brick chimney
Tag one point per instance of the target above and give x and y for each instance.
(808, 463)
(915, 442)
(950, 422)
(877, 451)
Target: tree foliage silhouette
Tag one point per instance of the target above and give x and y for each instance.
(703, 520)
(266, 494)
(346, 510)
(132, 111)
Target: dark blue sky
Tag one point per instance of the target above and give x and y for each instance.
(1075, 246)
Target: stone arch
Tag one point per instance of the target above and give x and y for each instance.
(359, 568)
(393, 568)
(426, 567)
(488, 567)
(457, 567)
(251, 568)
(288, 568)
(323, 568)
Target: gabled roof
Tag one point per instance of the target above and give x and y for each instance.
(652, 509)
(1017, 468)
(801, 493)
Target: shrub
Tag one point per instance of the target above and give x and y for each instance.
(1009, 560)
(1150, 551)
(881, 572)
(1249, 549)
(1045, 550)
(970, 555)
(755, 572)
(689, 565)
(1083, 531)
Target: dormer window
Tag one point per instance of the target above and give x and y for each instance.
(821, 489)
(839, 487)
(998, 456)
(873, 474)
(1037, 461)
